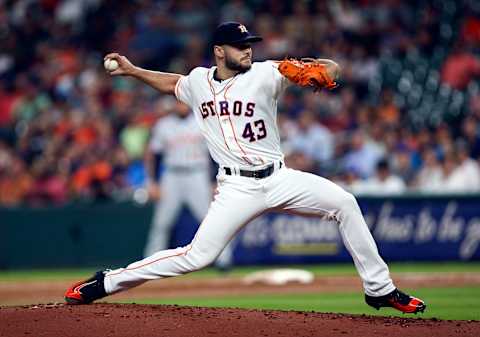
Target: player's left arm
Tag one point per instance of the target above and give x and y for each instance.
(317, 72)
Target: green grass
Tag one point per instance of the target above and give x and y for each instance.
(442, 303)
(317, 269)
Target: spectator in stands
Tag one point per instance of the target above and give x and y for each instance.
(363, 156)
(443, 140)
(388, 113)
(50, 184)
(15, 180)
(452, 180)
(471, 134)
(313, 142)
(467, 168)
(383, 182)
(401, 165)
(57, 107)
(429, 176)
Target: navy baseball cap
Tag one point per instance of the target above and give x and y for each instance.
(233, 33)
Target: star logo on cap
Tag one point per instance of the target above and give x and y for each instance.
(242, 28)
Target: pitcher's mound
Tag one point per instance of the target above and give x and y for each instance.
(119, 320)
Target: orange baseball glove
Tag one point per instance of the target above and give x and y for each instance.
(307, 72)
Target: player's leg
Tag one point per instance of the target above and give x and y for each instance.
(223, 220)
(164, 215)
(224, 261)
(198, 203)
(304, 193)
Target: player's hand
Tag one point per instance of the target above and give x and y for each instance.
(333, 69)
(154, 191)
(125, 67)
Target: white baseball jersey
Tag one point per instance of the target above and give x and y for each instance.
(238, 118)
(180, 141)
(238, 122)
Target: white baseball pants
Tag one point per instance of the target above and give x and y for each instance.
(240, 199)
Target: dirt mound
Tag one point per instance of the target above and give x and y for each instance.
(174, 321)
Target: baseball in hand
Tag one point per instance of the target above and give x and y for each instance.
(110, 64)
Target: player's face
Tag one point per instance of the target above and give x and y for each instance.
(238, 57)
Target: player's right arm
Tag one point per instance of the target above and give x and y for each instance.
(163, 82)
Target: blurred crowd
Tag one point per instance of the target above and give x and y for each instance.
(70, 132)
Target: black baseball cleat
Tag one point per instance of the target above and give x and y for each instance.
(87, 291)
(398, 300)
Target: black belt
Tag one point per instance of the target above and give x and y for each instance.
(258, 174)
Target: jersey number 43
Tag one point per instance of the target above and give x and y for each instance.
(255, 132)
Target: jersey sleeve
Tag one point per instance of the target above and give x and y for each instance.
(183, 90)
(280, 82)
(187, 85)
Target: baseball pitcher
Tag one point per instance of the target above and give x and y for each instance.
(235, 105)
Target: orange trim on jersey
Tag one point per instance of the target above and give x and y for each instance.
(189, 247)
(215, 109)
(176, 87)
(233, 129)
(211, 86)
(227, 86)
(241, 149)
